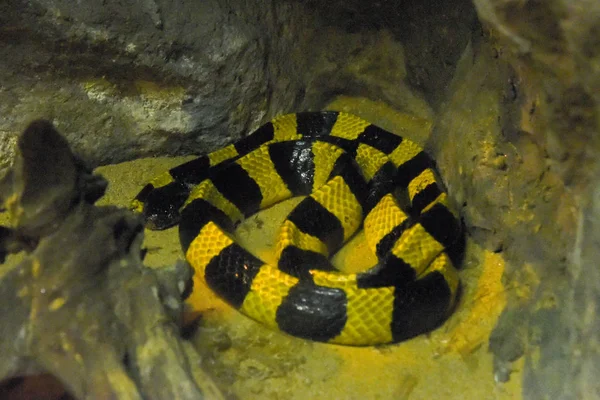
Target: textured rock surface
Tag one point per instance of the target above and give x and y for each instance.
(129, 79)
(99, 320)
(553, 48)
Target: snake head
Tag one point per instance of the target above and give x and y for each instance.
(161, 208)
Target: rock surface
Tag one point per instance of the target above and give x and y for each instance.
(129, 79)
(553, 48)
(80, 305)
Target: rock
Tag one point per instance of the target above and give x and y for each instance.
(123, 79)
(80, 305)
(553, 48)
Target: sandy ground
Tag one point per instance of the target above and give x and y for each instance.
(252, 362)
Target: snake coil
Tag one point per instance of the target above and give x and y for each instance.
(353, 174)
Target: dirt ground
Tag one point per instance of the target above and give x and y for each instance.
(251, 362)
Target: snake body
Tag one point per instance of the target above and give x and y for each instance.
(353, 174)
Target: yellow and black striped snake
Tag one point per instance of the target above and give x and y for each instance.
(353, 174)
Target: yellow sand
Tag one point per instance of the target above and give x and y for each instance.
(252, 362)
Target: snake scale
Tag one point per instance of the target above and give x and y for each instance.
(353, 174)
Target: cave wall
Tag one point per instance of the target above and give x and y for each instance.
(553, 48)
(124, 79)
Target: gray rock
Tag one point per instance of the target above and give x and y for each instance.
(130, 79)
(554, 50)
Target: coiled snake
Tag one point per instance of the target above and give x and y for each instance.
(353, 174)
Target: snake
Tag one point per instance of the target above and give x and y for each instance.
(352, 175)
